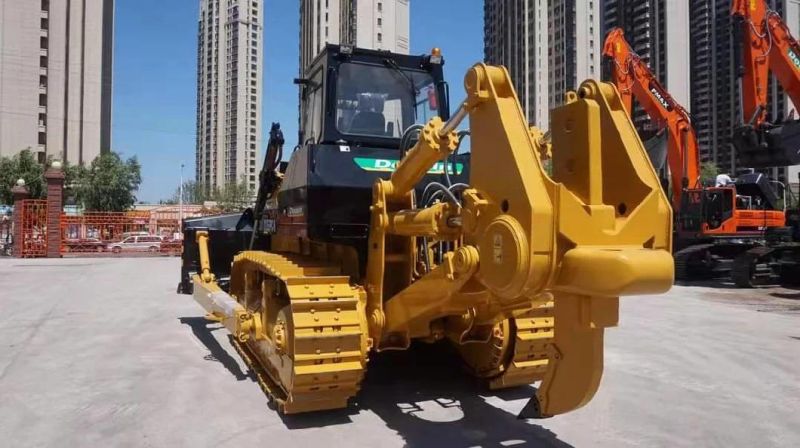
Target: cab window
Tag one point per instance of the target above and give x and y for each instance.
(382, 100)
(312, 113)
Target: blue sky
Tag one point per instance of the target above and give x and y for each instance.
(155, 69)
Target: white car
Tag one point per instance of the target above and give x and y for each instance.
(138, 243)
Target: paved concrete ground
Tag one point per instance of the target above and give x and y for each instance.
(102, 352)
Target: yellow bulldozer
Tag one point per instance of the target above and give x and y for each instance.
(380, 231)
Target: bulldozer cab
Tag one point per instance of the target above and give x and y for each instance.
(357, 106)
(358, 97)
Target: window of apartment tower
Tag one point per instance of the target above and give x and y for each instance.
(43, 43)
(45, 5)
(45, 24)
(380, 37)
(43, 99)
(380, 6)
(380, 21)
(42, 81)
(42, 138)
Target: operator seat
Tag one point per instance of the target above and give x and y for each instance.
(368, 123)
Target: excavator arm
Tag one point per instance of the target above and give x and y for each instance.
(766, 45)
(635, 80)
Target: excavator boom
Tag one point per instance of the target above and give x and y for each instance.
(767, 46)
(635, 80)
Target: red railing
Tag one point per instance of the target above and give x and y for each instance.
(111, 232)
(34, 228)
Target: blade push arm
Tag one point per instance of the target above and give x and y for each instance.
(634, 79)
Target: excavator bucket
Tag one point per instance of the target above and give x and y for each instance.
(768, 146)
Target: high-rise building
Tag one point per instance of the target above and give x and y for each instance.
(516, 36)
(575, 44)
(715, 98)
(375, 24)
(319, 25)
(658, 31)
(56, 62)
(548, 47)
(229, 54)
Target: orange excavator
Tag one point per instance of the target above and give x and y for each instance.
(714, 225)
(634, 79)
(763, 141)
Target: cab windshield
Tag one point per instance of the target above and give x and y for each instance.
(382, 101)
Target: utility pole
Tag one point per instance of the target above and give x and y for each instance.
(180, 203)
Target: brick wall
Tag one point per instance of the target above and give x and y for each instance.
(55, 197)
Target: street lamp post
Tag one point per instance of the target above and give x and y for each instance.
(180, 203)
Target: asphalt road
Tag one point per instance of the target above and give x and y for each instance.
(102, 352)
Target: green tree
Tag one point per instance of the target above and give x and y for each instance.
(193, 193)
(75, 178)
(708, 172)
(110, 183)
(234, 196)
(23, 165)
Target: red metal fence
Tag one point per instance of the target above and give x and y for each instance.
(154, 232)
(149, 231)
(34, 228)
(119, 232)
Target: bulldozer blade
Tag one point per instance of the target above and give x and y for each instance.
(768, 146)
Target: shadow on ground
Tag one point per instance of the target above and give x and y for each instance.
(786, 295)
(202, 330)
(423, 394)
(715, 283)
(427, 397)
(726, 283)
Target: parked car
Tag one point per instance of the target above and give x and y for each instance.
(84, 245)
(137, 233)
(138, 243)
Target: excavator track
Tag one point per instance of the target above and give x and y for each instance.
(746, 269)
(313, 351)
(682, 262)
